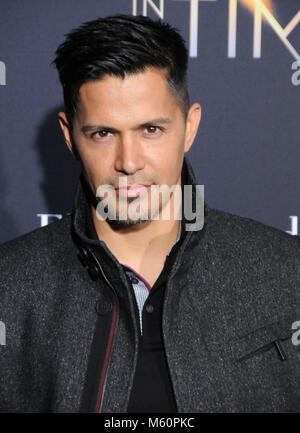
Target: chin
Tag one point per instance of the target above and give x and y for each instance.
(119, 224)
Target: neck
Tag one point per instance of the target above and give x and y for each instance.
(131, 245)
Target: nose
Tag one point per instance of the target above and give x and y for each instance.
(129, 155)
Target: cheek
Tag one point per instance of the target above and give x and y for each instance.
(92, 157)
(169, 169)
(95, 165)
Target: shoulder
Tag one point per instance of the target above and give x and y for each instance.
(258, 265)
(37, 246)
(244, 243)
(36, 265)
(230, 229)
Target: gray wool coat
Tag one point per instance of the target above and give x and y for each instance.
(71, 332)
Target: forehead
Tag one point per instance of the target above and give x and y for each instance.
(135, 97)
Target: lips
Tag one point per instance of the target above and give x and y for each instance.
(134, 190)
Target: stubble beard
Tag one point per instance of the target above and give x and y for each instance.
(118, 223)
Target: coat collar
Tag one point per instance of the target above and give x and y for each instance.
(88, 245)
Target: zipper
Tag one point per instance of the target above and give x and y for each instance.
(275, 343)
(110, 343)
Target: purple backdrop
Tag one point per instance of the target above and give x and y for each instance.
(244, 70)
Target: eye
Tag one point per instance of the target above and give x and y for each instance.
(100, 134)
(152, 130)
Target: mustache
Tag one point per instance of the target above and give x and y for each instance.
(116, 183)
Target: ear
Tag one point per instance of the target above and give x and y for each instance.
(66, 129)
(192, 123)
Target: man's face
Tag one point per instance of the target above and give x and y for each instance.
(131, 128)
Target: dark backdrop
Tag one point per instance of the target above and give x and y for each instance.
(247, 149)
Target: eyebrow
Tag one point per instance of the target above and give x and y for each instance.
(158, 121)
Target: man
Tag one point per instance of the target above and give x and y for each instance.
(108, 312)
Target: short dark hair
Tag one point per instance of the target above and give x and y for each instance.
(119, 45)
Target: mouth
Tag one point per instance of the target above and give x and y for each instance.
(134, 190)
